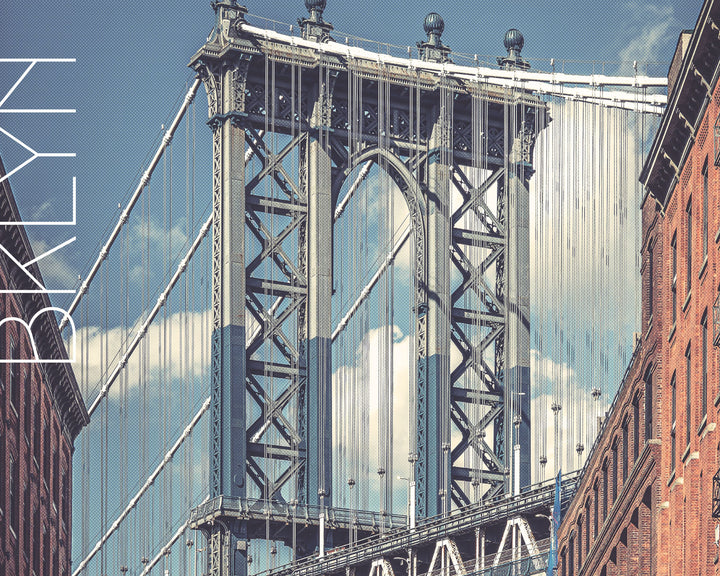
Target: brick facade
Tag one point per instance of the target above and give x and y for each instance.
(608, 528)
(682, 178)
(660, 523)
(41, 413)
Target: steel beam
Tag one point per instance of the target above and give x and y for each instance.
(434, 485)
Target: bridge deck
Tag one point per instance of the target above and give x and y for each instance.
(459, 522)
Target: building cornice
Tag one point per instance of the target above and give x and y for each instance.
(687, 103)
(59, 376)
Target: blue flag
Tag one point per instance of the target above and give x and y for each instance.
(555, 519)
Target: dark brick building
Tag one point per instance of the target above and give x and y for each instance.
(41, 413)
(644, 505)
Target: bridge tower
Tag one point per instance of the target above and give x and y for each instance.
(460, 151)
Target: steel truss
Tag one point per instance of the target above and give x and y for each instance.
(272, 287)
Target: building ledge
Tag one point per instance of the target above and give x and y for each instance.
(703, 268)
(650, 327)
(687, 300)
(701, 428)
(685, 454)
(678, 482)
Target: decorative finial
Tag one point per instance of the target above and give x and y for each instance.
(229, 20)
(434, 27)
(314, 27)
(315, 7)
(514, 42)
(433, 50)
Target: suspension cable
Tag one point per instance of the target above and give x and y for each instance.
(133, 200)
(148, 483)
(158, 306)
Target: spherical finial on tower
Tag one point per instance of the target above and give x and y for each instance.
(315, 4)
(434, 27)
(315, 7)
(514, 42)
(434, 50)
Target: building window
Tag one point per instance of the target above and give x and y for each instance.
(65, 498)
(688, 245)
(56, 477)
(587, 530)
(648, 405)
(703, 400)
(651, 280)
(26, 519)
(46, 545)
(13, 484)
(605, 467)
(28, 405)
(579, 543)
(571, 558)
(616, 472)
(596, 509)
(673, 286)
(705, 208)
(636, 427)
(14, 376)
(36, 538)
(36, 434)
(626, 451)
(673, 418)
(688, 405)
(46, 454)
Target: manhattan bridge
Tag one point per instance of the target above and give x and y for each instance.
(398, 316)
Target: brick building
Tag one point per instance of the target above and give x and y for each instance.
(41, 413)
(682, 178)
(644, 505)
(608, 528)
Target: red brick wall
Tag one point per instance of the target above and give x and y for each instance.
(686, 527)
(31, 435)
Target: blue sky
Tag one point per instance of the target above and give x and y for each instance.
(132, 66)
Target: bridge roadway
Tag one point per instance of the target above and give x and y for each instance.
(461, 523)
(286, 522)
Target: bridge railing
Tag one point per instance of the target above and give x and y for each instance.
(430, 529)
(309, 514)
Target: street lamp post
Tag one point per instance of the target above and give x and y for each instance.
(553, 545)
(410, 501)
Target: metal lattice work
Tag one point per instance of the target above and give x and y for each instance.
(286, 138)
(716, 495)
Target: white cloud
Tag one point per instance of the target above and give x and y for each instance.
(357, 402)
(181, 335)
(649, 24)
(57, 270)
(556, 434)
